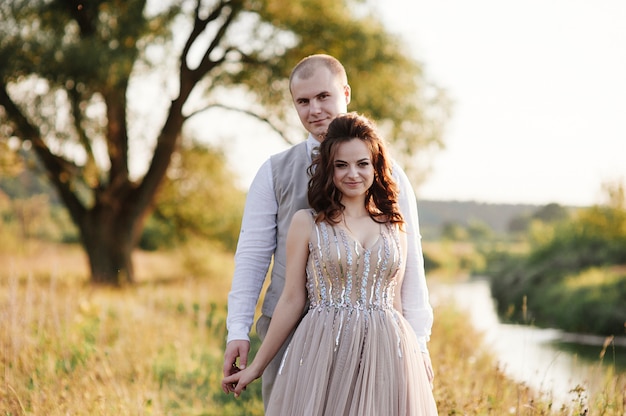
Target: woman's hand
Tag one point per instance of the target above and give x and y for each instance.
(238, 381)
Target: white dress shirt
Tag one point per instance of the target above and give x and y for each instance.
(257, 242)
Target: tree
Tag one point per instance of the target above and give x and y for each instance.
(68, 68)
(479, 230)
(551, 213)
(197, 176)
(615, 194)
(453, 231)
(519, 224)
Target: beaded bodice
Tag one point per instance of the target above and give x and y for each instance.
(342, 273)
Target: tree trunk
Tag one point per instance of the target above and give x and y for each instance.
(109, 237)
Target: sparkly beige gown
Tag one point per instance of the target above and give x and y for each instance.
(352, 353)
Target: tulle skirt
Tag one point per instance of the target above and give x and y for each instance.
(348, 361)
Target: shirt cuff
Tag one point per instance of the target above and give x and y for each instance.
(237, 333)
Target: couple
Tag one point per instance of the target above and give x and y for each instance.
(359, 349)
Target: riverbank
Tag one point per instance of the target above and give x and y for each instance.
(593, 340)
(536, 356)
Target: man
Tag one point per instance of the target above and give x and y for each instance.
(320, 91)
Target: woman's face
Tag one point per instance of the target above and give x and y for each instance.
(353, 169)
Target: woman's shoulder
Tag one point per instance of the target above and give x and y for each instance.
(305, 213)
(303, 217)
(393, 227)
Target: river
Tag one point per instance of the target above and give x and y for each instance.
(528, 354)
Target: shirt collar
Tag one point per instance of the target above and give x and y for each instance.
(311, 142)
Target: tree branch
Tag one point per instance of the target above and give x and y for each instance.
(252, 114)
(199, 25)
(59, 170)
(190, 77)
(82, 12)
(74, 97)
(117, 137)
(206, 64)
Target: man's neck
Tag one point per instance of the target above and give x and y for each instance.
(316, 138)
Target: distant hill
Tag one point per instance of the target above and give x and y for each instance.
(433, 214)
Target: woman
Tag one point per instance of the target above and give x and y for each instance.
(352, 353)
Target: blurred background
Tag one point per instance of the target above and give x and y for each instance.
(539, 96)
(130, 132)
(537, 93)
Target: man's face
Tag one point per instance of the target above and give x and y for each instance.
(319, 99)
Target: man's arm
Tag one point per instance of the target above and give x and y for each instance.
(416, 306)
(288, 310)
(256, 245)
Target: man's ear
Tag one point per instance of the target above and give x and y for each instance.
(347, 93)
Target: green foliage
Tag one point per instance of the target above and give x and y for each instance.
(250, 402)
(453, 232)
(34, 218)
(44, 37)
(382, 63)
(73, 74)
(572, 277)
(597, 236)
(416, 108)
(187, 385)
(592, 301)
(22, 176)
(547, 214)
(199, 199)
(479, 231)
(476, 231)
(430, 262)
(551, 213)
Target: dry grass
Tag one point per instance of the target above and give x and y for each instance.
(67, 348)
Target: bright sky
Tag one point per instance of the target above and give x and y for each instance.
(540, 95)
(539, 88)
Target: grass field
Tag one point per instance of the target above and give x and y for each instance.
(67, 348)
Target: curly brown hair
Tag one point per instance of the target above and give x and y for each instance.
(381, 201)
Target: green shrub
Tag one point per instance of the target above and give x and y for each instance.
(570, 278)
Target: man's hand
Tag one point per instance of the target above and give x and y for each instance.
(239, 380)
(237, 349)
